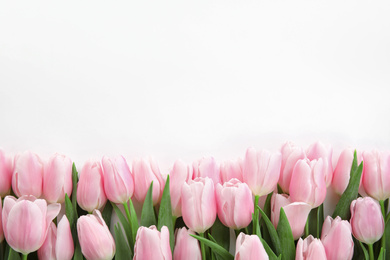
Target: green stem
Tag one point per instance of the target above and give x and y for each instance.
(24, 257)
(127, 212)
(307, 228)
(202, 247)
(256, 215)
(371, 251)
(383, 241)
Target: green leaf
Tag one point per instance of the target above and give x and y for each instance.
(272, 231)
(165, 214)
(134, 220)
(217, 249)
(70, 212)
(77, 252)
(13, 255)
(365, 251)
(221, 234)
(269, 251)
(107, 213)
(125, 224)
(123, 250)
(351, 192)
(74, 190)
(382, 254)
(286, 237)
(148, 217)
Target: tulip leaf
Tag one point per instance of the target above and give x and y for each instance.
(123, 250)
(165, 214)
(217, 249)
(351, 192)
(107, 213)
(148, 217)
(70, 212)
(286, 237)
(13, 255)
(221, 234)
(74, 190)
(269, 251)
(125, 224)
(272, 232)
(134, 220)
(77, 252)
(382, 254)
(267, 211)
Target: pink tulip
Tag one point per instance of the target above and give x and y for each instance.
(290, 155)
(90, 188)
(310, 249)
(337, 239)
(261, 171)
(180, 174)
(5, 174)
(95, 238)
(144, 173)
(234, 204)
(376, 174)
(118, 180)
(249, 247)
(48, 250)
(231, 169)
(319, 150)
(367, 220)
(207, 167)
(187, 247)
(57, 179)
(199, 206)
(152, 244)
(308, 183)
(296, 213)
(26, 221)
(27, 175)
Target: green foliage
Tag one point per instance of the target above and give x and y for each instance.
(148, 217)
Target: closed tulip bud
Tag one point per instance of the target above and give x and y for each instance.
(6, 166)
(319, 150)
(290, 155)
(367, 220)
(26, 221)
(337, 239)
(310, 249)
(231, 169)
(27, 175)
(118, 180)
(234, 204)
(199, 206)
(48, 250)
(152, 244)
(261, 171)
(207, 167)
(180, 174)
(57, 179)
(95, 238)
(186, 247)
(296, 213)
(249, 247)
(342, 171)
(90, 188)
(308, 183)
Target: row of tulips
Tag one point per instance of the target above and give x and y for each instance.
(271, 203)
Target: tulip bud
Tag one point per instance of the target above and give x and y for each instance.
(337, 239)
(186, 247)
(342, 171)
(319, 150)
(180, 174)
(261, 171)
(290, 155)
(367, 220)
(5, 174)
(26, 221)
(234, 204)
(90, 189)
(308, 183)
(231, 170)
(310, 249)
(249, 247)
(152, 244)
(207, 167)
(199, 207)
(118, 181)
(27, 175)
(95, 238)
(48, 250)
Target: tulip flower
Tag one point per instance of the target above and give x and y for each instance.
(319, 150)
(290, 155)
(337, 239)
(152, 244)
(180, 174)
(118, 181)
(95, 238)
(234, 204)
(296, 213)
(199, 207)
(27, 175)
(90, 188)
(207, 167)
(231, 169)
(310, 249)
(249, 247)
(57, 179)
(367, 220)
(26, 221)
(5, 174)
(308, 183)
(186, 247)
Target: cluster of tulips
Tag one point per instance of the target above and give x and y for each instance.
(264, 206)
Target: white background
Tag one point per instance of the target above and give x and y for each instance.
(186, 79)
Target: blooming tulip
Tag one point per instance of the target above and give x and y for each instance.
(152, 244)
(296, 213)
(337, 239)
(231, 170)
(90, 189)
(187, 247)
(118, 181)
(290, 155)
(5, 174)
(261, 171)
(26, 221)
(310, 249)
(95, 238)
(308, 183)
(27, 175)
(367, 220)
(319, 150)
(234, 204)
(57, 179)
(180, 174)
(249, 247)
(199, 207)
(207, 167)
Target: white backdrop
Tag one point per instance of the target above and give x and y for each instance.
(179, 79)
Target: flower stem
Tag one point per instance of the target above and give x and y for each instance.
(383, 241)
(127, 211)
(256, 214)
(371, 251)
(24, 256)
(202, 247)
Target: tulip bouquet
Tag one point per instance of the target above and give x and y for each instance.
(264, 206)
